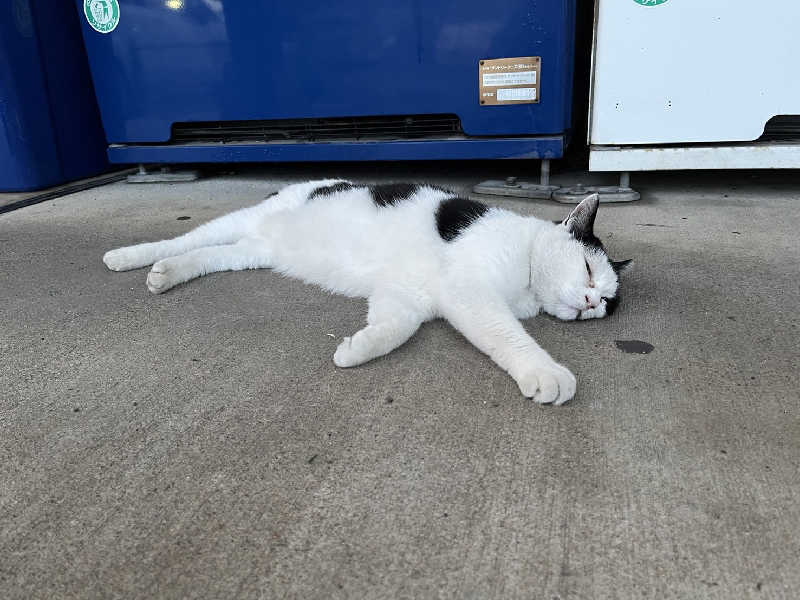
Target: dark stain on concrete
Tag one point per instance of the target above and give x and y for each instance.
(634, 346)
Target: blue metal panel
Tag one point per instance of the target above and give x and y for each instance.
(28, 156)
(536, 148)
(219, 60)
(75, 117)
(50, 128)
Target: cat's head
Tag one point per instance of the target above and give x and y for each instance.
(584, 281)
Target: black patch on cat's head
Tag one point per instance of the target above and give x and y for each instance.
(580, 222)
(611, 305)
(454, 215)
(389, 194)
(327, 190)
(619, 267)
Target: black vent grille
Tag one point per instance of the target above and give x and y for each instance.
(406, 127)
(782, 128)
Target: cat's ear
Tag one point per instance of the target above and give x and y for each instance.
(620, 265)
(580, 221)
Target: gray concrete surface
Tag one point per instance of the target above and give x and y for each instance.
(201, 444)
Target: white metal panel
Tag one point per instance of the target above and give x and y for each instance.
(665, 158)
(693, 70)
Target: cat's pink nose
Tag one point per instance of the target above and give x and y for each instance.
(589, 302)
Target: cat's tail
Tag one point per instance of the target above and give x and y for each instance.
(227, 229)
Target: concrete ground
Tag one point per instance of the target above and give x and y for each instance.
(201, 444)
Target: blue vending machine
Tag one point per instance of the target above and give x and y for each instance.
(261, 80)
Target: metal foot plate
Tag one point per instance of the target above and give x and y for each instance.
(517, 189)
(574, 194)
(163, 176)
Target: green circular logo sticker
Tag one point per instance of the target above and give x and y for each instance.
(650, 2)
(102, 15)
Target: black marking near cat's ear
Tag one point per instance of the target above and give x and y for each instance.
(327, 190)
(580, 222)
(620, 265)
(389, 194)
(454, 215)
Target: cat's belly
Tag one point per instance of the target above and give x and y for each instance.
(353, 253)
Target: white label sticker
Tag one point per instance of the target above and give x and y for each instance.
(516, 94)
(520, 78)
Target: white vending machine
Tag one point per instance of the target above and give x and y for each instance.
(695, 84)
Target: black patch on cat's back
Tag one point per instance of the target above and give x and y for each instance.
(327, 190)
(454, 215)
(389, 194)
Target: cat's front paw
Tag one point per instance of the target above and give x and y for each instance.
(547, 384)
(345, 355)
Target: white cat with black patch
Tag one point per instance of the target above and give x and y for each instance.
(417, 252)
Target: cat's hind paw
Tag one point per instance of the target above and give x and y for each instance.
(550, 384)
(122, 259)
(161, 277)
(131, 257)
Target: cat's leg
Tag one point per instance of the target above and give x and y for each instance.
(226, 229)
(391, 321)
(248, 253)
(488, 322)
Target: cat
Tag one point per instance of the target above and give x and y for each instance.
(417, 252)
